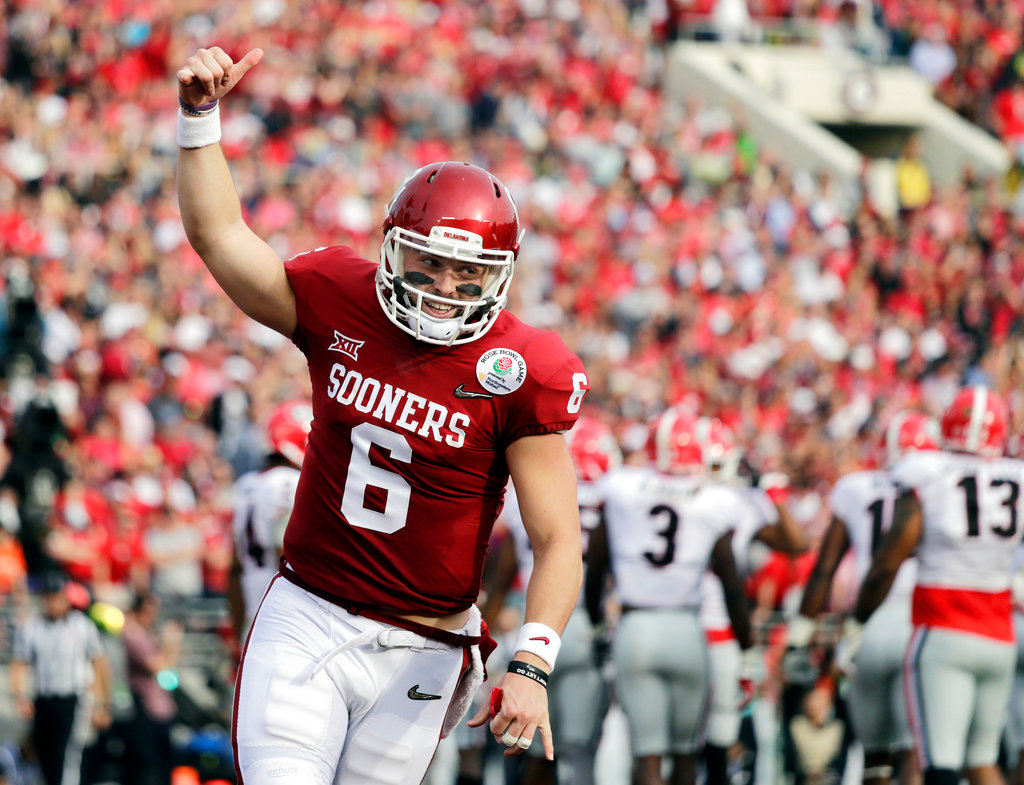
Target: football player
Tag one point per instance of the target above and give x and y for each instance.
(759, 515)
(861, 503)
(662, 528)
(427, 396)
(960, 509)
(263, 502)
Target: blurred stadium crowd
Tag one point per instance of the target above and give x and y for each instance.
(673, 252)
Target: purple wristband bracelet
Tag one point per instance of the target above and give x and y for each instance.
(197, 111)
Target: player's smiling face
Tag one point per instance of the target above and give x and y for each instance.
(454, 279)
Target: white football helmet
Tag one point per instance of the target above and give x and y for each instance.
(719, 450)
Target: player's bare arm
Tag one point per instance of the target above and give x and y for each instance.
(833, 546)
(506, 567)
(785, 535)
(545, 481)
(598, 566)
(898, 545)
(723, 564)
(248, 270)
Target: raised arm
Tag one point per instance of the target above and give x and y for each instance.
(248, 270)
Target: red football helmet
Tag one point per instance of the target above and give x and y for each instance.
(673, 446)
(593, 447)
(910, 431)
(719, 450)
(976, 421)
(457, 211)
(288, 429)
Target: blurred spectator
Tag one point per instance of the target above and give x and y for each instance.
(1008, 111)
(218, 550)
(151, 652)
(174, 547)
(239, 438)
(14, 597)
(851, 29)
(126, 567)
(21, 328)
(773, 583)
(37, 469)
(731, 21)
(913, 180)
(77, 534)
(165, 405)
(818, 739)
(931, 55)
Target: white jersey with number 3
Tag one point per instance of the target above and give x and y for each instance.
(262, 504)
(661, 531)
(864, 502)
(971, 509)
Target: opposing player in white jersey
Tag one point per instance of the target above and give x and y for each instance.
(263, 502)
(662, 528)
(577, 692)
(862, 504)
(1015, 721)
(756, 516)
(961, 512)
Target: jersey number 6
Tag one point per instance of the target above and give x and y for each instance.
(362, 475)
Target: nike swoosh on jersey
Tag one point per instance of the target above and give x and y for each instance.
(416, 695)
(461, 392)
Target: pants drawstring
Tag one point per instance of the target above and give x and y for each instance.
(387, 638)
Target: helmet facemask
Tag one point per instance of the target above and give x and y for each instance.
(402, 298)
(458, 212)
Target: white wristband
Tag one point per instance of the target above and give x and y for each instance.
(539, 639)
(198, 131)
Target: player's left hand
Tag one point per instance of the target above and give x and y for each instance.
(518, 710)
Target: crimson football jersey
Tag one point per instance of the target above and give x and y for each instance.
(405, 469)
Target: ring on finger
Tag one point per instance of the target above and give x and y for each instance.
(509, 740)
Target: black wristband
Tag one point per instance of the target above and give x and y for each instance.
(529, 671)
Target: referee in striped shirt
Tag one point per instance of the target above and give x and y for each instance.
(59, 652)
